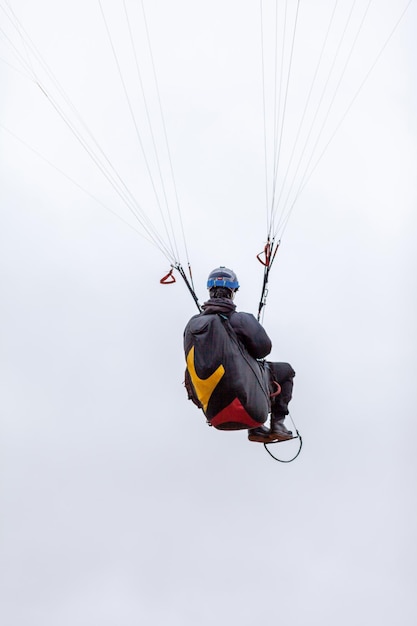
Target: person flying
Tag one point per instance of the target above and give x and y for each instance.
(223, 285)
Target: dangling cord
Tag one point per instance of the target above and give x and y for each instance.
(297, 436)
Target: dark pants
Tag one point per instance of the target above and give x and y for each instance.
(283, 374)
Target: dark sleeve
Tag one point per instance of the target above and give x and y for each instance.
(251, 334)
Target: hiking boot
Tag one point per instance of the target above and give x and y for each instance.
(278, 431)
(262, 434)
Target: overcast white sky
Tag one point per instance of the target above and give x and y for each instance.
(119, 505)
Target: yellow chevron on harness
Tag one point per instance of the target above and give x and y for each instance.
(204, 387)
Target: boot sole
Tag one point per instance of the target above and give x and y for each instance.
(259, 439)
(280, 438)
(270, 438)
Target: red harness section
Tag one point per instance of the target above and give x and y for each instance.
(233, 417)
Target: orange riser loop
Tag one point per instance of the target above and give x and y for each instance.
(267, 252)
(278, 390)
(168, 279)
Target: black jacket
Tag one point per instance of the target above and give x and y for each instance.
(225, 375)
(245, 325)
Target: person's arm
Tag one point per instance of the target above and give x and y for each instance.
(252, 334)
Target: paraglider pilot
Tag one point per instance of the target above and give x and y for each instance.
(223, 284)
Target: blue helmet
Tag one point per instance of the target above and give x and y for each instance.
(223, 277)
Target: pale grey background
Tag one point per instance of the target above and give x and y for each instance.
(118, 505)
